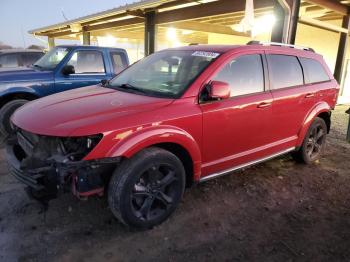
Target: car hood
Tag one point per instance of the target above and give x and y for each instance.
(23, 74)
(84, 111)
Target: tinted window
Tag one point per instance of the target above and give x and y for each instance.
(285, 71)
(30, 58)
(87, 62)
(118, 60)
(9, 60)
(314, 71)
(244, 74)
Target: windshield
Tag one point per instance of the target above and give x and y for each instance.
(164, 74)
(50, 60)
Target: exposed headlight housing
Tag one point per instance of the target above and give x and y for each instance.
(76, 148)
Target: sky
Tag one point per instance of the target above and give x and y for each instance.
(17, 17)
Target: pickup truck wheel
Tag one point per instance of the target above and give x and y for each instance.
(5, 114)
(313, 143)
(146, 189)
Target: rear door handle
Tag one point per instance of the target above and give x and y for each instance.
(264, 104)
(308, 95)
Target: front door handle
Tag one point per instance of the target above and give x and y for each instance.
(264, 104)
(309, 95)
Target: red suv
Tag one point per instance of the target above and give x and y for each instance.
(177, 117)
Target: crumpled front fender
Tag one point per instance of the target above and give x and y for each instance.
(129, 142)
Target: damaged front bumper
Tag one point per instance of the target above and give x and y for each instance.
(43, 164)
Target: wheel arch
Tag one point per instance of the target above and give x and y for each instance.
(322, 110)
(173, 139)
(5, 98)
(185, 157)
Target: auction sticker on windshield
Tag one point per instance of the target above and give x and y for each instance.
(206, 54)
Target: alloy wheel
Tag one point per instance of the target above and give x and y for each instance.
(154, 192)
(315, 141)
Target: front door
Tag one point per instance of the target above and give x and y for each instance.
(236, 130)
(89, 70)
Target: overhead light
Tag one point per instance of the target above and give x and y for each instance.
(260, 25)
(263, 24)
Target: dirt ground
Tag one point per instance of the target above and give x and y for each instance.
(276, 211)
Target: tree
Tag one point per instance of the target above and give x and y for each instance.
(4, 46)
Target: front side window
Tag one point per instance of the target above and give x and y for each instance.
(164, 74)
(313, 70)
(244, 74)
(9, 60)
(50, 60)
(87, 62)
(285, 71)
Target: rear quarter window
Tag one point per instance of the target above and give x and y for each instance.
(314, 71)
(119, 61)
(285, 71)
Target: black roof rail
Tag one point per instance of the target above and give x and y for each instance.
(281, 44)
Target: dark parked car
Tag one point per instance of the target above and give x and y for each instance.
(11, 58)
(177, 117)
(62, 68)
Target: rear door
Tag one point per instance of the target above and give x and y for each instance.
(317, 78)
(236, 130)
(89, 67)
(292, 98)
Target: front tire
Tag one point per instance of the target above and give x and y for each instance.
(5, 114)
(146, 189)
(314, 142)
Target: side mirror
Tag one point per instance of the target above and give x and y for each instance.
(68, 70)
(219, 90)
(104, 82)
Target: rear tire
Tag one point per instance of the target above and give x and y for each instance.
(146, 189)
(5, 114)
(313, 144)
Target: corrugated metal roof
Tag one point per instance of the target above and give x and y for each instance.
(114, 11)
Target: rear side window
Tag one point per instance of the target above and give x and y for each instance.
(314, 71)
(118, 61)
(285, 71)
(244, 74)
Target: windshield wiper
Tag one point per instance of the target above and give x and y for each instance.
(131, 87)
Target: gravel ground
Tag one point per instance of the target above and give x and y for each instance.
(276, 211)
